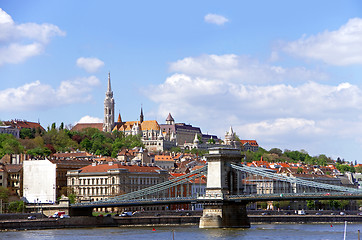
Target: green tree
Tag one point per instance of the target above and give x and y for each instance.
(86, 144)
(27, 133)
(4, 194)
(176, 149)
(310, 204)
(16, 207)
(72, 198)
(276, 151)
(9, 145)
(284, 204)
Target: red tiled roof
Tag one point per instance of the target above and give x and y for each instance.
(106, 167)
(81, 126)
(163, 158)
(251, 142)
(13, 168)
(24, 124)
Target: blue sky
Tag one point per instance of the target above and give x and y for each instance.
(284, 73)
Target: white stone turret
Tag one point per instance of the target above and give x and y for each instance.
(172, 137)
(196, 140)
(229, 136)
(160, 135)
(135, 129)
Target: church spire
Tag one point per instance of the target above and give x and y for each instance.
(119, 118)
(141, 115)
(108, 122)
(109, 89)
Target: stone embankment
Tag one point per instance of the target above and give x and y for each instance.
(42, 222)
(49, 223)
(304, 219)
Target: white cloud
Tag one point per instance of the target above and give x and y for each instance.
(241, 69)
(89, 119)
(214, 92)
(19, 42)
(35, 95)
(91, 65)
(340, 47)
(215, 19)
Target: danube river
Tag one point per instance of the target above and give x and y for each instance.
(257, 231)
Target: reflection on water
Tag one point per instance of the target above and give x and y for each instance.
(262, 231)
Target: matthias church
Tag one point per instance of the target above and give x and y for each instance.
(155, 136)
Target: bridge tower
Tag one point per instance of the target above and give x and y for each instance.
(222, 181)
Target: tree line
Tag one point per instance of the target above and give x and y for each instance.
(39, 143)
(44, 143)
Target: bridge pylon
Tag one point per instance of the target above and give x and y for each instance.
(222, 181)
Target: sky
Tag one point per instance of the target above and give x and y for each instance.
(285, 73)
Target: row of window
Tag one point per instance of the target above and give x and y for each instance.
(102, 181)
(94, 181)
(96, 191)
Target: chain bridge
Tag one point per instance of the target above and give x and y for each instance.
(230, 186)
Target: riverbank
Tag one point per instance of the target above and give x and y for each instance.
(86, 222)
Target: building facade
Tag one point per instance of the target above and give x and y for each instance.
(50, 180)
(102, 181)
(10, 130)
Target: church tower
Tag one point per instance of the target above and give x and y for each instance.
(108, 122)
(141, 116)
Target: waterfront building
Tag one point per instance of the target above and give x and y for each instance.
(45, 180)
(195, 188)
(102, 181)
(14, 175)
(3, 178)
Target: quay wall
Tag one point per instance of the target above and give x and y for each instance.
(75, 222)
(303, 218)
(49, 223)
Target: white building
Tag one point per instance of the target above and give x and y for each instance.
(39, 181)
(10, 130)
(358, 179)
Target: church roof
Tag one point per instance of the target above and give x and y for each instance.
(169, 117)
(145, 125)
(81, 126)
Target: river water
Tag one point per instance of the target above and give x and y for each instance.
(257, 231)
